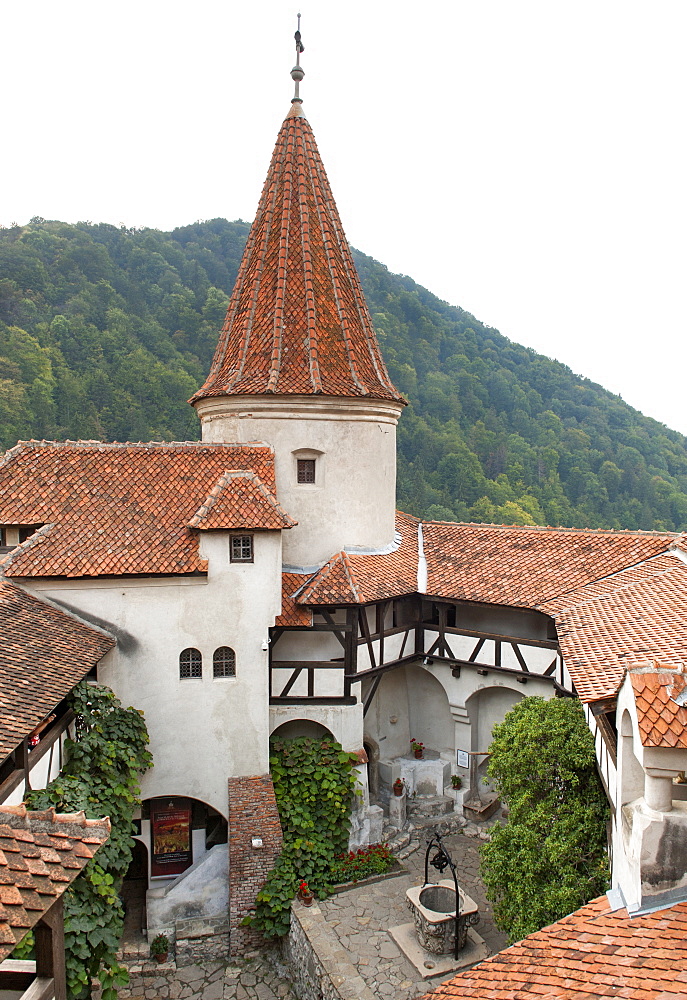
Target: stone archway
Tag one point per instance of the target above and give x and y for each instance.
(487, 707)
(294, 729)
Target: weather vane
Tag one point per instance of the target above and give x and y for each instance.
(297, 73)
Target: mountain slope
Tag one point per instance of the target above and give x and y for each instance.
(106, 332)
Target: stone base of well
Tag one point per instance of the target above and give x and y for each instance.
(429, 965)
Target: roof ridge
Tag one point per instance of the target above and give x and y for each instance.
(609, 576)
(351, 575)
(20, 818)
(548, 527)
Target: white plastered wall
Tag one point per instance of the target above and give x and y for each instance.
(201, 730)
(352, 502)
(444, 720)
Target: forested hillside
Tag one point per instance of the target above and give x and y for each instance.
(106, 332)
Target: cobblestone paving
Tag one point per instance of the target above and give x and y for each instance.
(361, 919)
(254, 977)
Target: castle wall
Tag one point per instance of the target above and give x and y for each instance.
(201, 729)
(352, 502)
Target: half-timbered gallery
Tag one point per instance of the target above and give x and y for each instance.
(261, 580)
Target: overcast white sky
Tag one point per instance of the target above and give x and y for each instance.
(524, 159)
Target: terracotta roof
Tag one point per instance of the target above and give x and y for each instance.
(291, 612)
(525, 566)
(121, 509)
(350, 578)
(43, 654)
(617, 598)
(660, 693)
(41, 854)
(591, 953)
(631, 616)
(297, 321)
(240, 500)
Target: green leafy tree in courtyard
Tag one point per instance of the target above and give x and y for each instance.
(550, 858)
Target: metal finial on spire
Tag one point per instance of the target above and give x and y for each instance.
(297, 72)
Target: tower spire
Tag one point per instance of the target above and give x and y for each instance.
(297, 73)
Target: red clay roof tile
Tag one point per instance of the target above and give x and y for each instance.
(297, 321)
(660, 692)
(591, 953)
(27, 894)
(124, 509)
(43, 654)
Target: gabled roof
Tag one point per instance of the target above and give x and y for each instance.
(297, 321)
(660, 692)
(592, 953)
(43, 654)
(240, 500)
(350, 578)
(41, 853)
(123, 509)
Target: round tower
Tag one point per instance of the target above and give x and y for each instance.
(298, 364)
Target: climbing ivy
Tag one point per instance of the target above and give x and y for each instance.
(101, 775)
(314, 783)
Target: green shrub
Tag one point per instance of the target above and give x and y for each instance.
(551, 857)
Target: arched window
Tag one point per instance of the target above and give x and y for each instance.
(224, 662)
(190, 663)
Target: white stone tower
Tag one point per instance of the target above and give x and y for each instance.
(298, 365)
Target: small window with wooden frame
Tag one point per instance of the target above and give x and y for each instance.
(224, 662)
(190, 663)
(241, 548)
(305, 470)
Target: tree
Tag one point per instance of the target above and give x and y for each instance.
(550, 858)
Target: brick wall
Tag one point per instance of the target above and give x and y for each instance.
(252, 813)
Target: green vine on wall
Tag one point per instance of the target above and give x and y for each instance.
(101, 777)
(314, 782)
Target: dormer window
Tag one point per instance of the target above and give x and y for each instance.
(306, 470)
(12, 535)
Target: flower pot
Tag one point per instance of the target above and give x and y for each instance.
(161, 958)
(306, 898)
(419, 754)
(398, 787)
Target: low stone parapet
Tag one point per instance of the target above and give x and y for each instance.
(318, 963)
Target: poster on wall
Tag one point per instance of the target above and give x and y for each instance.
(170, 821)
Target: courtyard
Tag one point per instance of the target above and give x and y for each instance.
(359, 920)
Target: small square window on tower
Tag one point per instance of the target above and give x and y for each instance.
(306, 470)
(242, 548)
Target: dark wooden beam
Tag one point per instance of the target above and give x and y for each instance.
(371, 693)
(302, 700)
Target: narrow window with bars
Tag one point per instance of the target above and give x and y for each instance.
(306, 470)
(242, 548)
(190, 663)
(224, 662)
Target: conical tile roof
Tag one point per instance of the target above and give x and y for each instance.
(297, 321)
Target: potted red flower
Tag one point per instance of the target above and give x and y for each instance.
(305, 894)
(417, 748)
